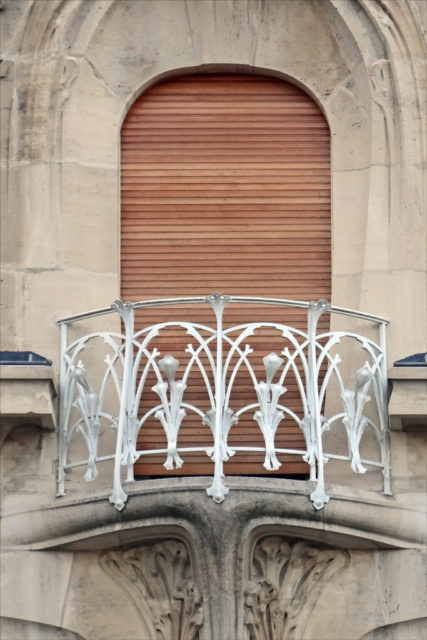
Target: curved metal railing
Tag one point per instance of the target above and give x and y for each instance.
(218, 355)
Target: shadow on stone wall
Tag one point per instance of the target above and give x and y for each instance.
(408, 630)
(28, 630)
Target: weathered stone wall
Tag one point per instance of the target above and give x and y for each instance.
(186, 586)
(70, 71)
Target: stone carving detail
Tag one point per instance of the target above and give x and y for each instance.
(158, 578)
(286, 580)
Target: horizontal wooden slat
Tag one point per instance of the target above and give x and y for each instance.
(251, 243)
(238, 271)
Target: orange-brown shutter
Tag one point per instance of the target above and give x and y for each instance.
(225, 187)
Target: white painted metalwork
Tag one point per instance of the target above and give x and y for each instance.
(219, 356)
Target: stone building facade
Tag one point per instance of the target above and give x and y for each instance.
(173, 564)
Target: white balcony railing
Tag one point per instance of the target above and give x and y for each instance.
(111, 401)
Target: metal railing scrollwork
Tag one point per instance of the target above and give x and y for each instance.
(217, 356)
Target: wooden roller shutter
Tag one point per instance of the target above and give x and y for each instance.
(225, 187)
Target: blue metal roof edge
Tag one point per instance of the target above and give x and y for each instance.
(23, 358)
(416, 360)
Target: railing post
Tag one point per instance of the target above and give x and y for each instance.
(62, 446)
(119, 497)
(315, 310)
(218, 490)
(384, 419)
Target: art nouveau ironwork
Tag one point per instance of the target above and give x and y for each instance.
(217, 356)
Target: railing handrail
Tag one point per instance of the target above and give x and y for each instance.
(163, 302)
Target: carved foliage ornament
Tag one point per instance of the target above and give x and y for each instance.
(158, 578)
(286, 582)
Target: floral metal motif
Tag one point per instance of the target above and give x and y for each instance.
(228, 419)
(218, 356)
(172, 414)
(218, 301)
(354, 420)
(269, 416)
(87, 403)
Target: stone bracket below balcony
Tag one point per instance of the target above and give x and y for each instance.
(28, 395)
(354, 519)
(408, 400)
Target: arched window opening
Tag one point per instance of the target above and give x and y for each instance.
(225, 187)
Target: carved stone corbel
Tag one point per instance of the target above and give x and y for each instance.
(158, 577)
(286, 580)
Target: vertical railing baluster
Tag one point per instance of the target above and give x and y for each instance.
(131, 411)
(126, 311)
(311, 392)
(315, 310)
(62, 446)
(218, 490)
(384, 419)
